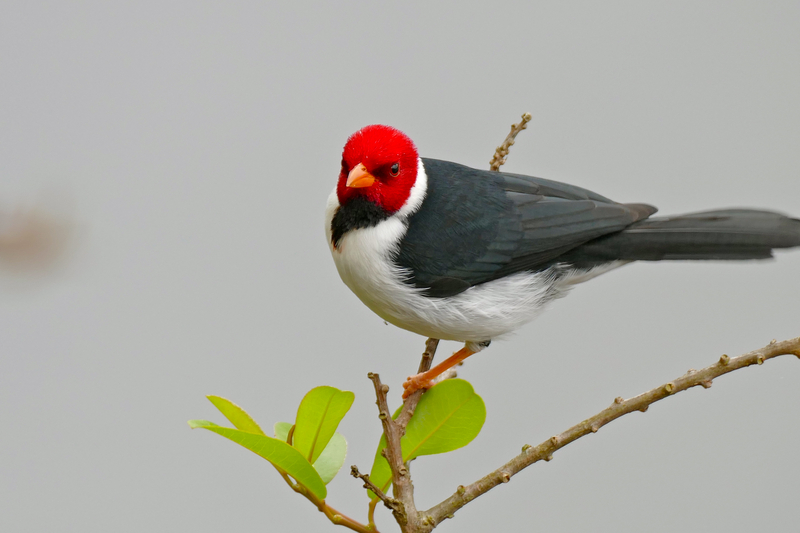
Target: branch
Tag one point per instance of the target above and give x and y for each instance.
(620, 407)
(405, 513)
(502, 151)
(391, 503)
(403, 507)
(410, 403)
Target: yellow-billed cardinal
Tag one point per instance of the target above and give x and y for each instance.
(455, 253)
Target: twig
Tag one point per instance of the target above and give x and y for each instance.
(403, 490)
(618, 408)
(403, 506)
(410, 403)
(502, 151)
(391, 503)
(427, 356)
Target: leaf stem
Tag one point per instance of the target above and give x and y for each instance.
(371, 512)
(337, 518)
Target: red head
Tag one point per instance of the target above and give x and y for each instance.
(379, 163)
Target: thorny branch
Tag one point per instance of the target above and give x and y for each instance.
(502, 151)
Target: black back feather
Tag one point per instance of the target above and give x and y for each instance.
(475, 226)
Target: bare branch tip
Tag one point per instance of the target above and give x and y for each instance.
(501, 151)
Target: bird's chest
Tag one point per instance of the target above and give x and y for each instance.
(365, 261)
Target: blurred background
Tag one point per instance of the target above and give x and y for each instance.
(163, 174)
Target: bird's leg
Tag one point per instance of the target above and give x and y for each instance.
(425, 379)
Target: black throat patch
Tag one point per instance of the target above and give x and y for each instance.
(355, 214)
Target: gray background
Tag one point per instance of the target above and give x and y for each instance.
(192, 145)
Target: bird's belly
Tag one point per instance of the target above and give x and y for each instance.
(483, 312)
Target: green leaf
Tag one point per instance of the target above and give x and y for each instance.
(236, 415)
(281, 430)
(277, 452)
(318, 417)
(194, 424)
(448, 416)
(330, 460)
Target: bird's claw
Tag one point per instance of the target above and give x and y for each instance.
(415, 383)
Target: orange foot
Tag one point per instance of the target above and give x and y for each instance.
(415, 383)
(426, 380)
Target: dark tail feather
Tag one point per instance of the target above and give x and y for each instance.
(724, 234)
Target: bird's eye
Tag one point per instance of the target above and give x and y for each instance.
(395, 170)
(344, 166)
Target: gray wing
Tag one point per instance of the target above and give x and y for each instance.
(475, 226)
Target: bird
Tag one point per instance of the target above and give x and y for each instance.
(456, 253)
